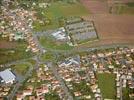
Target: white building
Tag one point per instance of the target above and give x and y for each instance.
(7, 76)
(60, 34)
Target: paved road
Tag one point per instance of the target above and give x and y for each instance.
(54, 70)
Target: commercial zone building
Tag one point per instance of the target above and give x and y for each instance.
(7, 76)
(60, 34)
(80, 30)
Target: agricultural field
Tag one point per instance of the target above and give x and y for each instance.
(96, 6)
(107, 85)
(111, 28)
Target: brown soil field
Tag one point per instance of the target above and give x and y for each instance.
(110, 28)
(6, 44)
(96, 6)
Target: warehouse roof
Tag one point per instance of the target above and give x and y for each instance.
(7, 75)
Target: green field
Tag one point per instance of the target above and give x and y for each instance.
(107, 85)
(59, 10)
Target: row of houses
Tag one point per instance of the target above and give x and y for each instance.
(124, 79)
(32, 43)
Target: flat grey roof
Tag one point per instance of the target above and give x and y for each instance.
(7, 75)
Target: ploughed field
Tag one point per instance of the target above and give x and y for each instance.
(111, 28)
(114, 28)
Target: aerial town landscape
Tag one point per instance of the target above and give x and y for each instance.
(66, 49)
